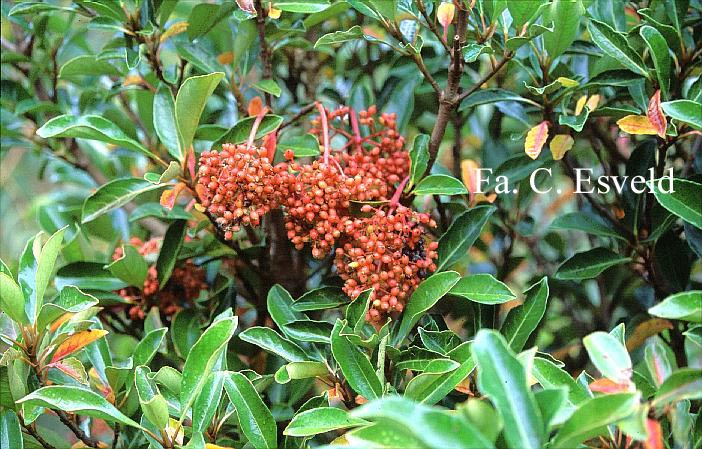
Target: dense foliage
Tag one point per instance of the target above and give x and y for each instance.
(265, 224)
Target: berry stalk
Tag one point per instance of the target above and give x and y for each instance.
(325, 131)
(254, 128)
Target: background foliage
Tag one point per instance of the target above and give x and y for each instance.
(560, 320)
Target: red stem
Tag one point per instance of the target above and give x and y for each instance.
(395, 200)
(356, 130)
(325, 130)
(254, 128)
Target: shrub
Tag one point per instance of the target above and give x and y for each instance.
(351, 223)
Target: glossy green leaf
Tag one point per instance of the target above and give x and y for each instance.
(503, 379)
(550, 375)
(521, 321)
(419, 157)
(115, 194)
(239, 133)
(615, 45)
(165, 124)
(76, 400)
(153, 404)
(338, 37)
(609, 356)
(436, 382)
(271, 341)
(12, 299)
(91, 127)
(659, 53)
(482, 288)
(302, 6)
(592, 418)
(580, 221)
(320, 299)
(354, 363)
(566, 16)
(190, 103)
(429, 292)
(10, 430)
(686, 383)
(269, 86)
(87, 65)
(168, 256)
(685, 200)
(309, 330)
(131, 267)
(300, 370)
(589, 264)
(70, 300)
(492, 95)
(255, 418)
(577, 122)
(202, 357)
(686, 306)
(280, 307)
(321, 420)
(305, 145)
(205, 406)
(687, 111)
(461, 235)
(440, 185)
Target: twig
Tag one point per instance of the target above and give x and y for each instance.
(31, 431)
(265, 50)
(298, 115)
(77, 431)
(485, 78)
(116, 437)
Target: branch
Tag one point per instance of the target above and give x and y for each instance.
(265, 50)
(31, 431)
(77, 431)
(298, 115)
(508, 56)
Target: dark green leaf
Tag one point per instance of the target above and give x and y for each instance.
(255, 418)
(686, 306)
(165, 122)
(687, 111)
(321, 420)
(190, 102)
(271, 341)
(355, 365)
(239, 133)
(115, 194)
(168, 256)
(440, 185)
(615, 45)
(589, 264)
(461, 235)
(521, 321)
(483, 288)
(685, 199)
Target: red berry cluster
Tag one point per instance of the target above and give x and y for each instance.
(183, 287)
(389, 252)
(239, 185)
(378, 158)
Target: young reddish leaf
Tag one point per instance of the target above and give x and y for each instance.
(60, 320)
(174, 29)
(655, 435)
(247, 6)
(647, 329)
(168, 197)
(270, 142)
(191, 163)
(76, 342)
(225, 58)
(469, 171)
(274, 13)
(580, 104)
(637, 124)
(607, 386)
(444, 15)
(592, 102)
(560, 144)
(655, 114)
(255, 106)
(535, 140)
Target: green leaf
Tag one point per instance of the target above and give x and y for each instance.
(87, 276)
(686, 306)
(320, 299)
(206, 404)
(10, 430)
(190, 102)
(280, 307)
(87, 65)
(482, 288)
(305, 145)
(355, 365)
(577, 122)
(168, 256)
(592, 418)
(269, 86)
(687, 111)
(580, 221)
(131, 267)
(472, 51)
(165, 123)
(201, 359)
(589, 264)
(255, 418)
(658, 47)
(503, 379)
(310, 331)
(419, 157)
(321, 420)
(91, 127)
(433, 427)
(522, 321)
(338, 37)
(485, 96)
(435, 383)
(550, 375)
(461, 235)
(36, 8)
(522, 12)
(302, 6)
(609, 356)
(685, 383)
(685, 201)
(429, 292)
(300, 370)
(70, 300)
(440, 185)
(551, 402)
(566, 15)
(239, 133)
(12, 299)
(615, 45)
(115, 194)
(271, 341)
(153, 404)
(148, 346)
(76, 400)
